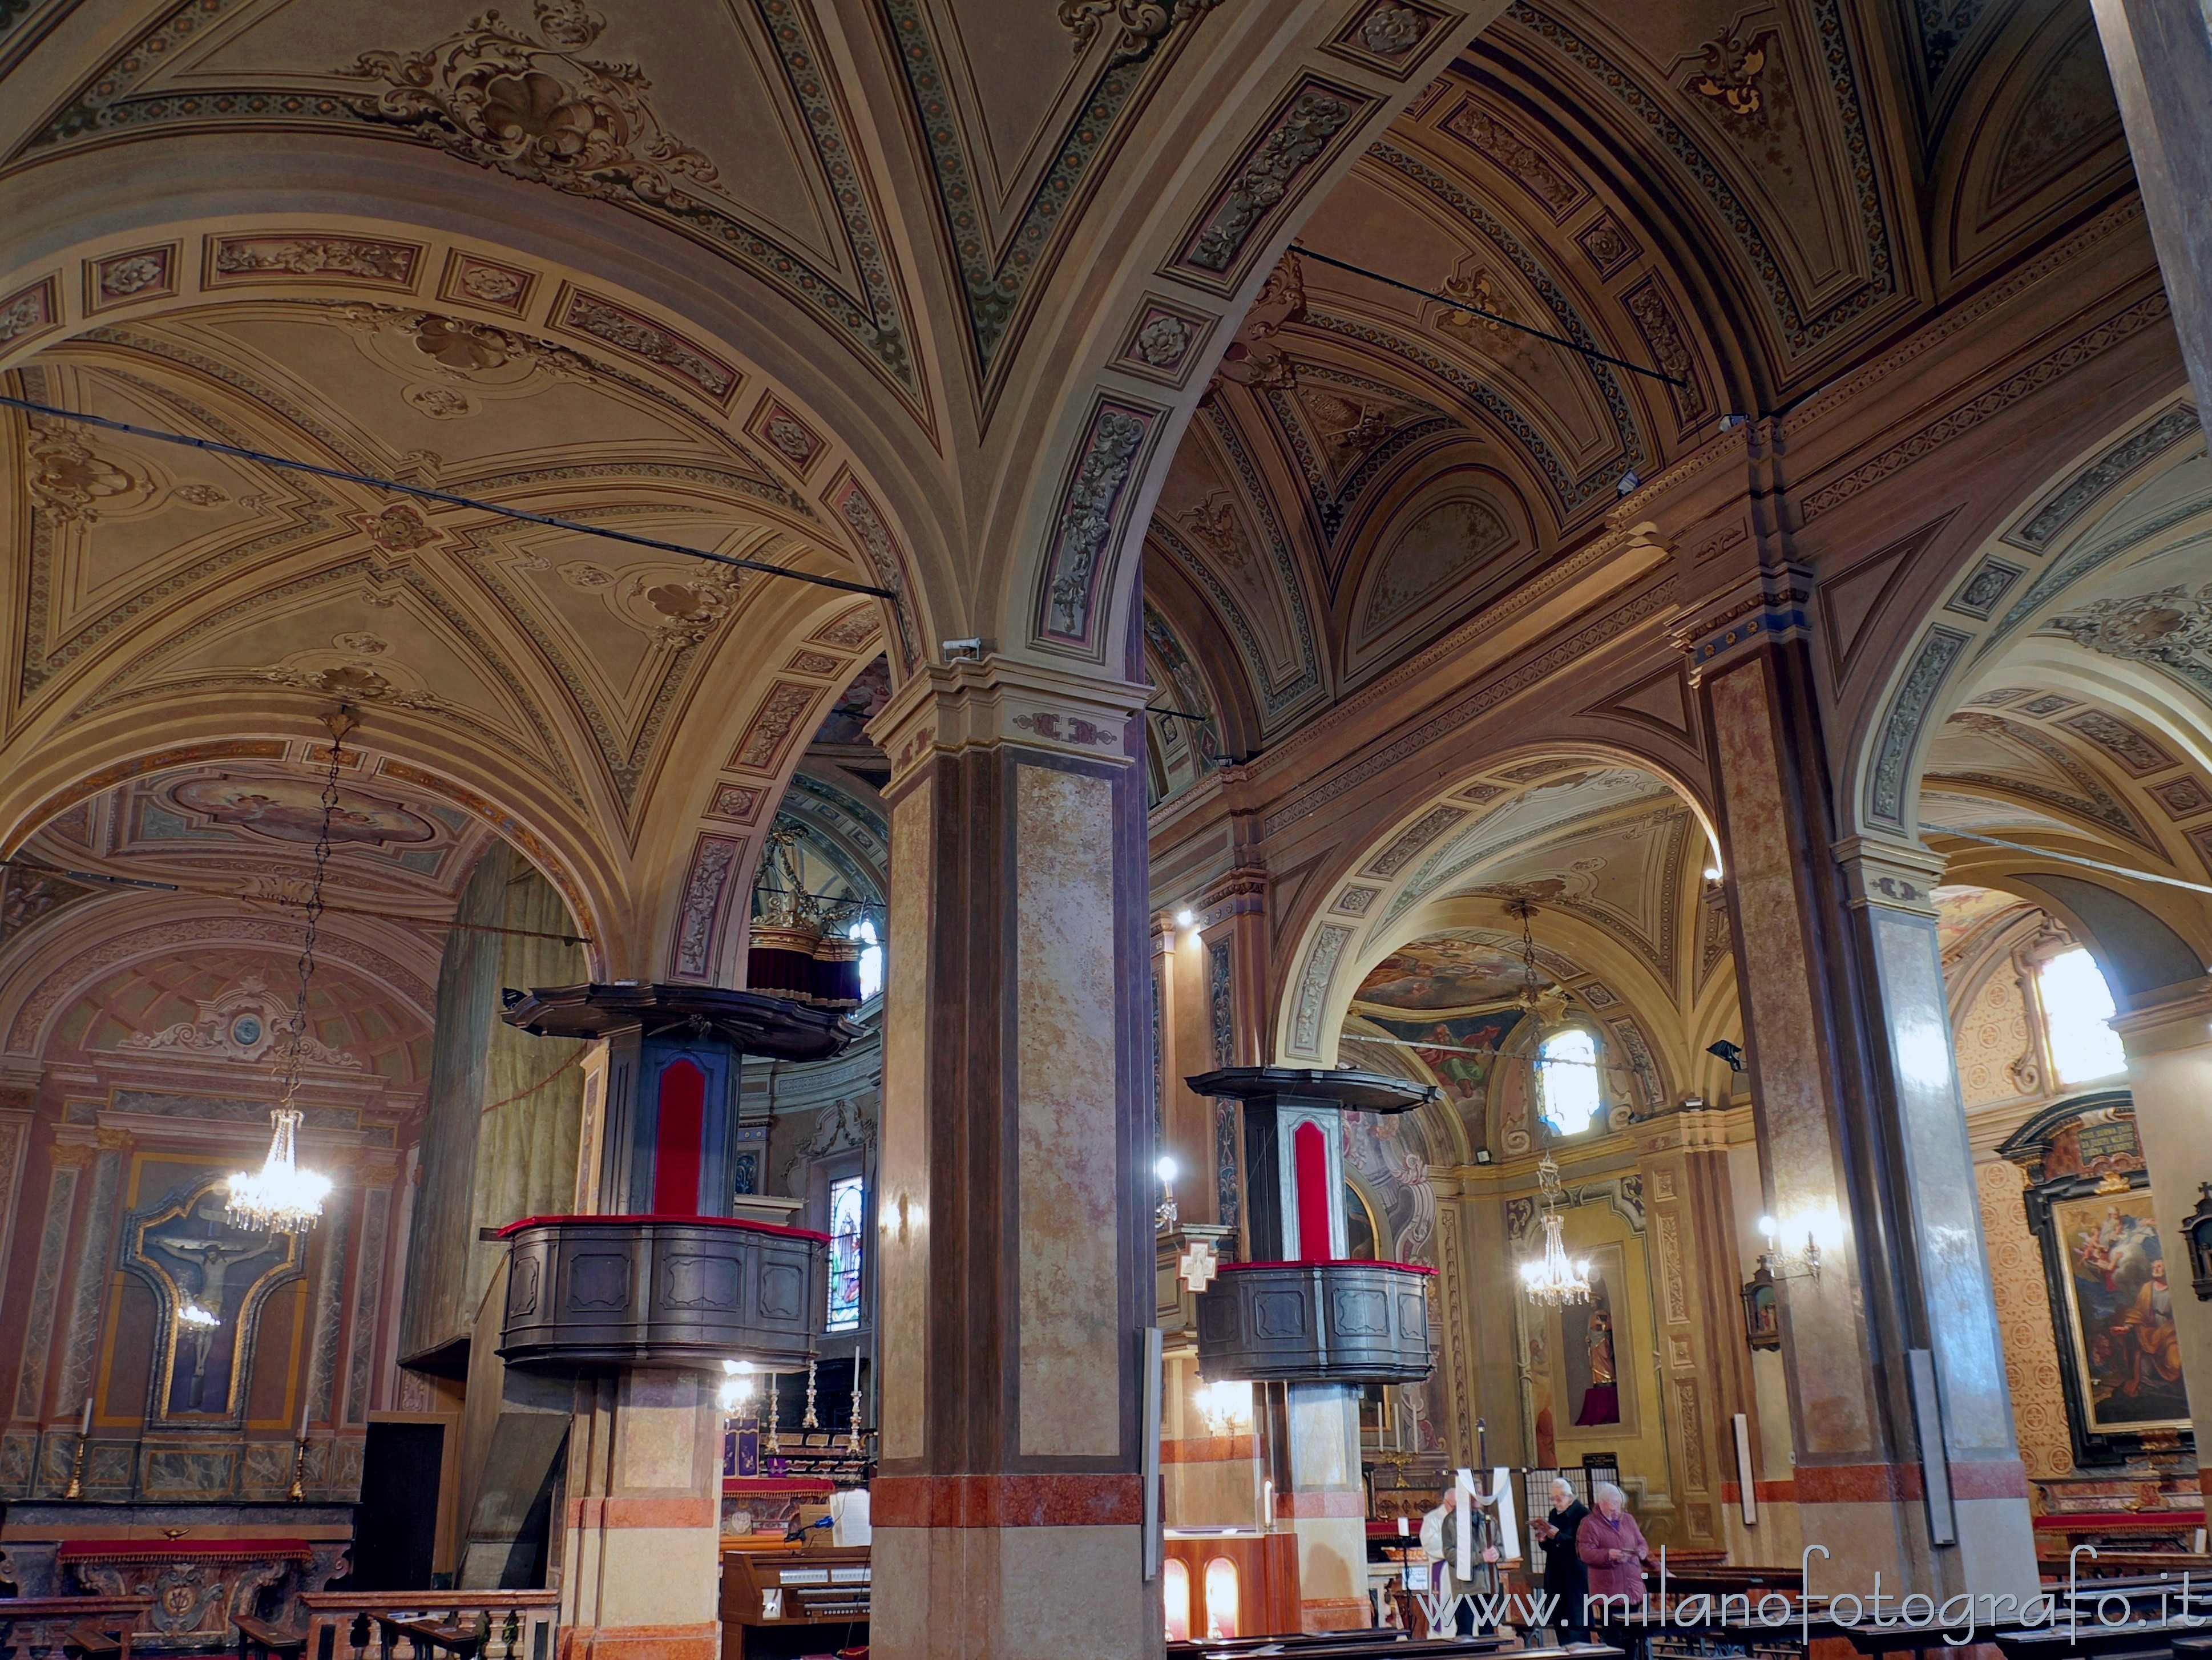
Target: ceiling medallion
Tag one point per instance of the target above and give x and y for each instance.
(281, 1197)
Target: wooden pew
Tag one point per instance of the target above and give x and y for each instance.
(258, 1640)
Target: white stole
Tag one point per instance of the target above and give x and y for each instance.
(1463, 1554)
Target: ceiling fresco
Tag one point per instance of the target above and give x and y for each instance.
(1444, 973)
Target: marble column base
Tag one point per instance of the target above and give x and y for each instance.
(643, 1643)
(641, 1561)
(1995, 1553)
(1032, 1593)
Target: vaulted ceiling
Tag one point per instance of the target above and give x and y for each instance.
(1745, 203)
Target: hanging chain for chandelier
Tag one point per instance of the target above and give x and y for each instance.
(1525, 909)
(1554, 1279)
(281, 1198)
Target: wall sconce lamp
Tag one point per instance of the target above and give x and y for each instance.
(2196, 1228)
(1778, 1263)
(1731, 1053)
(1165, 1216)
(1762, 1306)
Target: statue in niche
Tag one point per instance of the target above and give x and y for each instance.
(210, 1281)
(1592, 1346)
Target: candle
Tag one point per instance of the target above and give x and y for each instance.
(84, 1426)
(303, 1421)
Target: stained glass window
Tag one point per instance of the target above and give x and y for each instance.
(846, 1201)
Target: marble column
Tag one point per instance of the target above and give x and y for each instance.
(1862, 1146)
(2160, 53)
(641, 1573)
(1015, 1197)
(2168, 1037)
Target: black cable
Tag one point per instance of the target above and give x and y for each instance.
(1303, 252)
(445, 496)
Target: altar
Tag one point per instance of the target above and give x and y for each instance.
(198, 1566)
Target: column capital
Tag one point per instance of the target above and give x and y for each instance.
(1766, 607)
(982, 703)
(2166, 1020)
(1889, 873)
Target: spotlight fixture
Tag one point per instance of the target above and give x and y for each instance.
(1731, 1053)
(1185, 917)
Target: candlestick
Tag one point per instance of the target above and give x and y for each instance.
(809, 1421)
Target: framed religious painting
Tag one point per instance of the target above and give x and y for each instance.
(2111, 1286)
(211, 1281)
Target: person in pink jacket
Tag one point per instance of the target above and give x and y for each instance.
(1612, 1549)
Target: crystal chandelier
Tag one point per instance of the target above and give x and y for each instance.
(1555, 1280)
(281, 1198)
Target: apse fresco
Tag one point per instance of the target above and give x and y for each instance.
(2122, 1313)
(1445, 972)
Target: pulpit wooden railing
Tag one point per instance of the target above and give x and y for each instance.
(37, 1627)
(431, 1624)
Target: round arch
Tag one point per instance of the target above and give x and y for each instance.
(2138, 495)
(1368, 899)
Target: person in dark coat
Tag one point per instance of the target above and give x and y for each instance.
(1565, 1578)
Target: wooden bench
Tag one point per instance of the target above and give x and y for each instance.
(259, 1640)
(428, 1637)
(96, 1639)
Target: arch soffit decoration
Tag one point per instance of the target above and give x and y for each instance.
(1200, 181)
(1527, 177)
(41, 977)
(2141, 494)
(1371, 902)
(769, 495)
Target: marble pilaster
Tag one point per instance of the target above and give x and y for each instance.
(1863, 1150)
(2160, 54)
(68, 1169)
(1015, 1192)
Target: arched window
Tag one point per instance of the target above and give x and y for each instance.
(871, 957)
(2076, 1005)
(1566, 1081)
